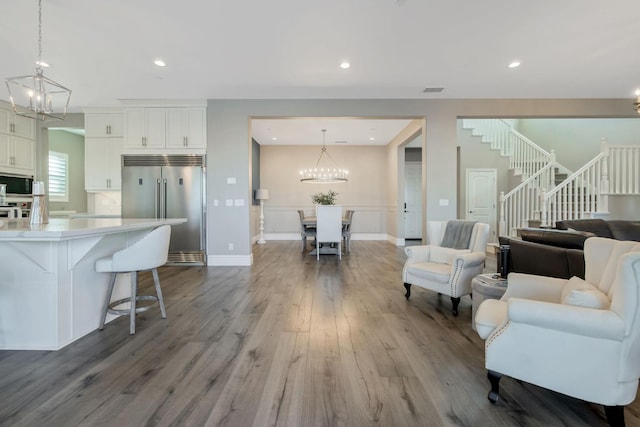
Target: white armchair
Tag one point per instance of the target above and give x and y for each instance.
(446, 270)
(576, 337)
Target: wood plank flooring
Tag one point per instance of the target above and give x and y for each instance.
(290, 341)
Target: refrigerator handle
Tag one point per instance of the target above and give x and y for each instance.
(164, 199)
(157, 201)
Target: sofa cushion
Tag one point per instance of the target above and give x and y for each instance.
(581, 293)
(444, 255)
(435, 271)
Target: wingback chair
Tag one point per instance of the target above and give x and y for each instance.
(576, 337)
(446, 270)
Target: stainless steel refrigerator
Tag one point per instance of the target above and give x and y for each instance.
(169, 186)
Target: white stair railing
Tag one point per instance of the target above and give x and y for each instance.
(584, 194)
(523, 203)
(525, 156)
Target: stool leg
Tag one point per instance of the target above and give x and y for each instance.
(159, 292)
(134, 293)
(107, 300)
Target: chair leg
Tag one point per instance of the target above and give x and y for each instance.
(494, 380)
(407, 286)
(156, 281)
(132, 310)
(107, 300)
(455, 302)
(317, 250)
(340, 250)
(304, 243)
(615, 415)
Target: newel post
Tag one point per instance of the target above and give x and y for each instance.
(544, 204)
(502, 224)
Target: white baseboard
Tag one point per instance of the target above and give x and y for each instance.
(230, 260)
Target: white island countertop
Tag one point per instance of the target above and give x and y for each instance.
(70, 228)
(50, 291)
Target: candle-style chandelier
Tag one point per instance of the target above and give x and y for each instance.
(325, 170)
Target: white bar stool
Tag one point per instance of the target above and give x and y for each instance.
(147, 253)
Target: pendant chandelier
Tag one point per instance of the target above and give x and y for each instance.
(325, 170)
(37, 96)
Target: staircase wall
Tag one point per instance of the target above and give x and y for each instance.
(473, 153)
(577, 141)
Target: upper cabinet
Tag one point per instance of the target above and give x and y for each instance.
(103, 125)
(186, 128)
(169, 127)
(104, 130)
(145, 128)
(17, 143)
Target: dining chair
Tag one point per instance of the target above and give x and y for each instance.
(305, 231)
(346, 230)
(329, 227)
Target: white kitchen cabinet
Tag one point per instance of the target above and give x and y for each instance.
(103, 125)
(17, 155)
(102, 164)
(12, 124)
(186, 128)
(145, 128)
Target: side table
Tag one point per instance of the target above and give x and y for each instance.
(485, 286)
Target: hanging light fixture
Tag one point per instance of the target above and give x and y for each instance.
(324, 172)
(37, 96)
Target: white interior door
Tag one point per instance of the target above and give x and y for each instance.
(482, 197)
(413, 200)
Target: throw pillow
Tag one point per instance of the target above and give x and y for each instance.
(443, 255)
(581, 293)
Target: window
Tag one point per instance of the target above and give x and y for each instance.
(58, 177)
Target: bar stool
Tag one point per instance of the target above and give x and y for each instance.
(147, 253)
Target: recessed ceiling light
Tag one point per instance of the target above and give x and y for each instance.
(42, 64)
(274, 139)
(514, 64)
(159, 62)
(372, 139)
(345, 65)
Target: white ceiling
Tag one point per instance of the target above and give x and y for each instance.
(291, 49)
(340, 131)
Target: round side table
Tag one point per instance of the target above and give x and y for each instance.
(483, 287)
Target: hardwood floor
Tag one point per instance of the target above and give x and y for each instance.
(290, 341)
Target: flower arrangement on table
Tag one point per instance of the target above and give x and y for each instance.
(328, 198)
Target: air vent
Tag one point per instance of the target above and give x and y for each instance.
(433, 89)
(163, 160)
(341, 142)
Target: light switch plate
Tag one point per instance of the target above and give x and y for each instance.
(239, 202)
(228, 202)
(444, 202)
(231, 180)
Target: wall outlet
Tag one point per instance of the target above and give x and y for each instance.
(230, 246)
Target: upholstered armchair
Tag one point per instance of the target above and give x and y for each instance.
(443, 269)
(576, 337)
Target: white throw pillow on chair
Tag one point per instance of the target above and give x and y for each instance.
(581, 293)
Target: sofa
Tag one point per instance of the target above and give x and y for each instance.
(558, 252)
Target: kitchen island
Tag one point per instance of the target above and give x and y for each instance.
(50, 293)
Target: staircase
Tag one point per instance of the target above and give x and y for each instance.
(550, 192)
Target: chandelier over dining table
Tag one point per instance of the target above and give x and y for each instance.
(326, 170)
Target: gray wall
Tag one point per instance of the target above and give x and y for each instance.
(229, 148)
(73, 145)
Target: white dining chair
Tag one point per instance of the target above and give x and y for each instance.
(329, 227)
